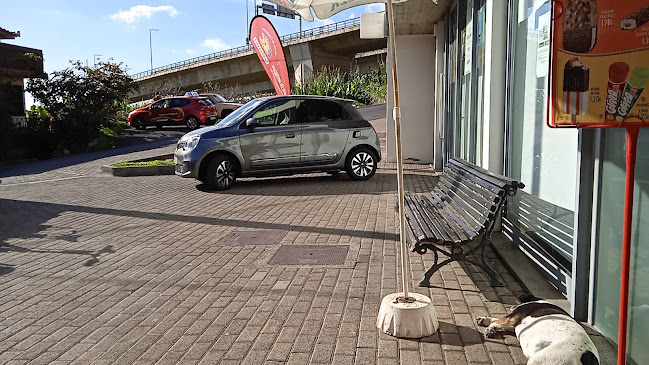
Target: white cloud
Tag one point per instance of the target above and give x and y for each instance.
(215, 44)
(190, 51)
(138, 12)
(374, 8)
(319, 22)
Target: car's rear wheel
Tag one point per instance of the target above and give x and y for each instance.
(361, 164)
(192, 123)
(140, 124)
(221, 173)
(225, 112)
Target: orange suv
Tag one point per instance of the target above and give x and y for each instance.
(175, 110)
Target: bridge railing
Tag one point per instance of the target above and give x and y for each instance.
(329, 28)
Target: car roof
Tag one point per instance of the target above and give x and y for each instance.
(182, 97)
(306, 97)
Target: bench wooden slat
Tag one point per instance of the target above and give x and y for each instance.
(418, 226)
(476, 201)
(471, 210)
(453, 182)
(468, 214)
(459, 223)
(446, 220)
(471, 192)
(499, 180)
(457, 180)
(440, 227)
(478, 209)
(459, 175)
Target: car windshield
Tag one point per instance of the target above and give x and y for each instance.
(234, 117)
(219, 98)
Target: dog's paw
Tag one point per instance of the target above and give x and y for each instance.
(482, 321)
(490, 332)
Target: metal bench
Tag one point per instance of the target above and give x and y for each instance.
(457, 218)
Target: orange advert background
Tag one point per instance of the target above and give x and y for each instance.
(612, 44)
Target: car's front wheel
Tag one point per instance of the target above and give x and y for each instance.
(140, 124)
(361, 164)
(192, 123)
(221, 173)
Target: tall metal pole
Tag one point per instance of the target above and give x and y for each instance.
(397, 126)
(302, 65)
(151, 48)
(247, 22)
(631, 148)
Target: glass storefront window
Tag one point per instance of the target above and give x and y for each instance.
(609, 238)
(466, 22)
(544, 159)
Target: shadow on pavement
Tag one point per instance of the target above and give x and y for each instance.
(27, 220)
(448, 335)
(6, 269)
(22, 223)
(321, 184)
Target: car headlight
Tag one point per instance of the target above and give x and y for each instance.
(189, 143)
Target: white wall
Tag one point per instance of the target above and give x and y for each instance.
(493, 139)
(416, 64)
(440, 86)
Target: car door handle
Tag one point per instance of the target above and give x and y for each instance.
(290, 135)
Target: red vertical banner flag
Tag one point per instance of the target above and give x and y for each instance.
(266, 42)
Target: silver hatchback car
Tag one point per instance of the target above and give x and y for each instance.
(281, 135)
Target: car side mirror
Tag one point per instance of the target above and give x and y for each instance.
(252, 122)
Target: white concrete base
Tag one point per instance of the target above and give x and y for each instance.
(407, 319)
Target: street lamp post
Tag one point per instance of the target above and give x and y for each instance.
(151, 48)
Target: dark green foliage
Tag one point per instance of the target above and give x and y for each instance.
(365, 88)
(78, 102)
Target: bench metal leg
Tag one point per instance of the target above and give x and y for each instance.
(493, 277)
(425, 282)
(458, 254)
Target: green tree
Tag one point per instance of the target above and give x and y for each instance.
(79, 101)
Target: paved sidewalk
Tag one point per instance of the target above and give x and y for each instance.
(100, 269)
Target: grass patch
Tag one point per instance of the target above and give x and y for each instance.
(144, 163)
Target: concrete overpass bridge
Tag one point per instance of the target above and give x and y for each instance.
(336, 44)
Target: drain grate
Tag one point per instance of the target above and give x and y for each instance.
(245, 238)
(310, 255)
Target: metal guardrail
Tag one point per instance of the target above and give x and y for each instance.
(248, 48)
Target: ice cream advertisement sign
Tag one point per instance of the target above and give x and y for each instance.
(600, 68)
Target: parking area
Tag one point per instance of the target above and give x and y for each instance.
(101, 269)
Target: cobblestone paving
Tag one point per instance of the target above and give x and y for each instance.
(107, 270)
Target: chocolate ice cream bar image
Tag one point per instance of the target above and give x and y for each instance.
(580, 26)
(635, 19)
(576, 79)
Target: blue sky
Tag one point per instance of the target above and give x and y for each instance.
(119, 30)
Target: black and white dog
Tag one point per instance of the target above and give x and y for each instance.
(547, 333)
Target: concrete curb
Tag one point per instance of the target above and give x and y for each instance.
(142, 170)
